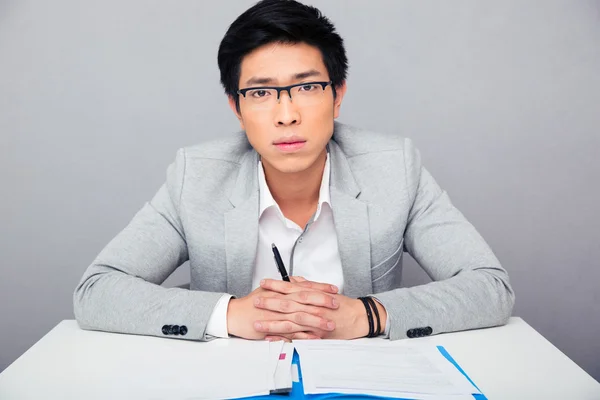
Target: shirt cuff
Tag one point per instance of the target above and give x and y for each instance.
(386, 332)
(217, 323)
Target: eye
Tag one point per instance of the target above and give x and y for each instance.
(308, 88)
(259, 93)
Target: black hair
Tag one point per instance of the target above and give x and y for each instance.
(280, 21)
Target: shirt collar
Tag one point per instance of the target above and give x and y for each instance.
(267, 200)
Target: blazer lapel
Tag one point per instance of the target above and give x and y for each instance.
(241, 228)
(351, 220)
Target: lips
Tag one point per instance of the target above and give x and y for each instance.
(289, 144)
(289, 140)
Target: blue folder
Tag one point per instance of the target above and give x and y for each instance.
(297, 392)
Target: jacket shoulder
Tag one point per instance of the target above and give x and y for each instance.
(358, 141)
(231, 149)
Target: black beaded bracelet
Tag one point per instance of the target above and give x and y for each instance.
(369, 315)
(376, 311)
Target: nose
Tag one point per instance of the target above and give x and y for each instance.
(286, 112)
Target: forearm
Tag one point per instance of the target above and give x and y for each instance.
(472, 299)
(110, 300)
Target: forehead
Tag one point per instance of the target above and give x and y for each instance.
(281, 62)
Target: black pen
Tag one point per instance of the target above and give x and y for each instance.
(279, 262)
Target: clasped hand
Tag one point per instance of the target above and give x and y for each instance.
(300, 309)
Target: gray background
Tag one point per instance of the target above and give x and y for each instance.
(502, 98)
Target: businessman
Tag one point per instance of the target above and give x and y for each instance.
(341, 205)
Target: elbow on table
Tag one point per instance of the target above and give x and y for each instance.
(83, 303)
(505, 299)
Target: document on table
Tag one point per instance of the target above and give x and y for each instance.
(275, 349)
(256, 368)
(219, 369)
(380, 368)
(282, 354)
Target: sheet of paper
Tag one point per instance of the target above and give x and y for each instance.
(283, 373)
(275, 349)
(295, 373)
(378, 367)
(203, 370)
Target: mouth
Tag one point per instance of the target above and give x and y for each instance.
(289, 144)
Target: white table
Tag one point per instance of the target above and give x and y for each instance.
(508, 362)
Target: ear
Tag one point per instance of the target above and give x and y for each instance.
(238, 115)
(340, 92)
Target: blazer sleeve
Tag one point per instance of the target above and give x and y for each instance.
(120, 291)
(470, 289)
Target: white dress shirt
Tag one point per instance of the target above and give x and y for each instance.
(310, 252)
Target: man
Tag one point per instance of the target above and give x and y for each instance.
(341, 205)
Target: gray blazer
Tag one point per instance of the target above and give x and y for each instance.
(384, 203)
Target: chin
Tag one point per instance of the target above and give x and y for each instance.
(291, 168)
(292, 165)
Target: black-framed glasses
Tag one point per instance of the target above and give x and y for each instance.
(304, 94)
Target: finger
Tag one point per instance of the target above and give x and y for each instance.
(277, 339)
(312, 321)
(277, 286)
(301, 319)
(297, 279)
(305, 336)
(313, 298)
(284, 305)
(291, 287)
(293, 336)
(323, 287)
(284, 328)
(277, 328)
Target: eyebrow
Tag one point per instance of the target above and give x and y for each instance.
(296, 77)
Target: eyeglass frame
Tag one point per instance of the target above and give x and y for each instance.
(288, 89)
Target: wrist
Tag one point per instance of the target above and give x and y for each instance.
(231, 319)
(361, 319)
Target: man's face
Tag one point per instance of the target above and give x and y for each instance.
(289, 135)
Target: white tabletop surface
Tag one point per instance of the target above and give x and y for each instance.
(508, 362)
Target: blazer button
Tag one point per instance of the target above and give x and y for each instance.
(183, 330)
(428, 331)
(175, 330)
(166, 329)
(410, 333)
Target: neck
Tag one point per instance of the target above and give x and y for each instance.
(298, 189)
